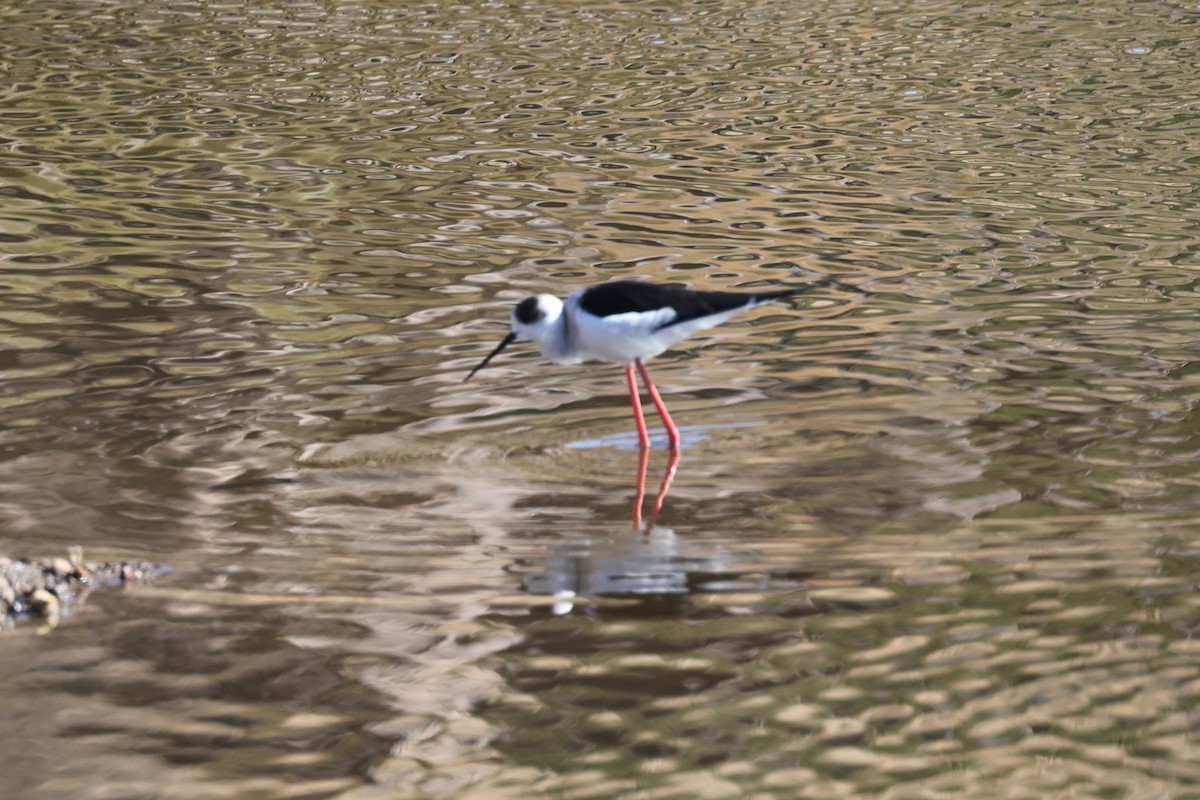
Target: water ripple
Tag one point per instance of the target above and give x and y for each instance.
(924, 536)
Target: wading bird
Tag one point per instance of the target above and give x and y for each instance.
(626, 322)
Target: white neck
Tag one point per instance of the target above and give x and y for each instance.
(554, 340)
(549, 327)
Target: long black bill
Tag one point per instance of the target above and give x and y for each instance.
(503, 344)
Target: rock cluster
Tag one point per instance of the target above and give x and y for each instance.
(46, 588)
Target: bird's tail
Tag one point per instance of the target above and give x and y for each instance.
(833, 283)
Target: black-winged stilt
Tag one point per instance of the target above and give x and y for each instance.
(627, 322)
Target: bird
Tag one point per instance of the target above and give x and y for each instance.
(627, 322)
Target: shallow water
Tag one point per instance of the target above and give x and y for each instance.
(930, 539)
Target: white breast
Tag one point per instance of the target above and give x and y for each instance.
(620, 338)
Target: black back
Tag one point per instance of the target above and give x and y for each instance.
(621, 297)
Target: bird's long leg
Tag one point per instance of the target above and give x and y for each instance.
(672, 431)
(644, 441)
(643, 434)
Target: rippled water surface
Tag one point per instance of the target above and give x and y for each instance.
(934, 538)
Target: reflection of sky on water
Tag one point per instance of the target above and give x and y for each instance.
(691, 435)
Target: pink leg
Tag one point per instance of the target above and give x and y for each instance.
(640, 493)
(672, 431)
(668, 476)
(643, 434)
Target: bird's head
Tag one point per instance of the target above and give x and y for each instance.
(533, 318)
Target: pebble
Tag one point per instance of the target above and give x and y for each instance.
(43, 602)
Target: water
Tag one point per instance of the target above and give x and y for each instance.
(931, 540)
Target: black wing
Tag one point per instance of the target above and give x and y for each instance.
(622, 297)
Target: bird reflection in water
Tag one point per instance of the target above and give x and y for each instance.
(640, 492)
(633, 565)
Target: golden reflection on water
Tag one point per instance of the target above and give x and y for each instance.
(931, 540)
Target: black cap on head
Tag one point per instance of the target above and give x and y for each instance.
(528, 311)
